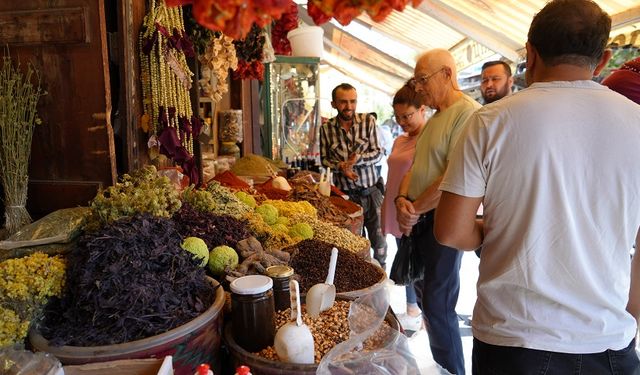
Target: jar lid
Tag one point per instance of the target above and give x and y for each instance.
(279, 271)
(252, 284)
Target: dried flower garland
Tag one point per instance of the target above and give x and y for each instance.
(166, 80)
(18, 116)
(218, 57)
(234, 18)
(281, 27)
(344, 12)
(250, 52)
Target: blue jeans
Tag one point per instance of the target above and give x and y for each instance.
(410, 290)
(497, 360)
(438, 295)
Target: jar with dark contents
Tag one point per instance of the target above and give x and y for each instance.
(281, 275)
(253, 312)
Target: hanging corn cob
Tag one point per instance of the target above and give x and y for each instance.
(166, 80)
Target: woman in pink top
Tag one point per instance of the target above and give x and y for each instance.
(410, 115)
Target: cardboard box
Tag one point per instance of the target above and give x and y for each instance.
(151, 366)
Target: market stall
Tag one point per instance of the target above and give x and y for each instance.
(177, 183)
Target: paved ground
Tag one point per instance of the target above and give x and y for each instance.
(419, 342)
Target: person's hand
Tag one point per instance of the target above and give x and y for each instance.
(406, 215)
(346, 168)
(350, 174)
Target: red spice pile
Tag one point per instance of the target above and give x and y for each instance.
(230, 180)
(270, 192)
(344, 205)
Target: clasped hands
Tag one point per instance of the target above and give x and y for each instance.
(406, 215)
(346, 167)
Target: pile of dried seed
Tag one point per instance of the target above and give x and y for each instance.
(310, 260)
(339, 237)
(327, 211)
(328, 330)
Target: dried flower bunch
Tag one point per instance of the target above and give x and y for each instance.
(25, 286)
(235, 18)
(281, 27)
(345, 11)
(219, 56)
(166, 80)
(250, 52)
(141, 192)
(18, 116)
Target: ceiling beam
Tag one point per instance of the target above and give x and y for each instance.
(361, 74)
(467, 25)
(346, 55)
(398, 38)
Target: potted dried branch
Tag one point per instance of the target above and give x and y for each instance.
(18, 117)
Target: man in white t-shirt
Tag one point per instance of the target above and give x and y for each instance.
(556, 168)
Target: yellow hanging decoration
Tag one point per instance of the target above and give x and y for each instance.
(166, 80)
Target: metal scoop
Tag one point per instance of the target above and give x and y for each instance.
(322, 296)
(293, 341)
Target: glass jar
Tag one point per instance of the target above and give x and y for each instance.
(230, 132)
(253, 312)
(281, 275)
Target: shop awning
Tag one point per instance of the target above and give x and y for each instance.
(472, 30)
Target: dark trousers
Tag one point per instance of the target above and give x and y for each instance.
(438, 295)
(497, 360)
(371, 203)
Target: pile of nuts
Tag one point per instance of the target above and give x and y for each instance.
(328, 330)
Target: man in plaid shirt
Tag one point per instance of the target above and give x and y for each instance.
(349, 146)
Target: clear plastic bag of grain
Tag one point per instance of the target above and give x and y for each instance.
(373, 347)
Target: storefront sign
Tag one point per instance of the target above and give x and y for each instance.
(629, 35)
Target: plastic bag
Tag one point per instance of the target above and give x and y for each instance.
(175, 175)
(60, 226)
(24, 362)
(372, 348)
(408, 265)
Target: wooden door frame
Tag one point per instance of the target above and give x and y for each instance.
(130, 16)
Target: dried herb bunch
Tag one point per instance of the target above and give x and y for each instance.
(18, 116)
(25, 286)
(129, 281)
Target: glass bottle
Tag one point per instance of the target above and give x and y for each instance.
(280, 275)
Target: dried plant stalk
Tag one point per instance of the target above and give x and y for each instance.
(18, 116)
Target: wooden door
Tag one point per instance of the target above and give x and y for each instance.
(73, 150)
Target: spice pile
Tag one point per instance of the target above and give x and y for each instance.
(305, 191)
(128, 281)
(310, 260)
(221, 201)
(339, 237)
(254, 165)
(230, 180)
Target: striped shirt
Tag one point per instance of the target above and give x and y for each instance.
(336, 144)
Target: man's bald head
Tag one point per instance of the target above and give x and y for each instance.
(435, 77)
(436, 59)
